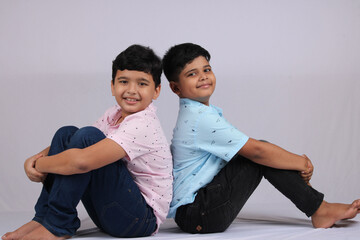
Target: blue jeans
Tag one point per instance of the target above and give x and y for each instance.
(109, 194)
(217, 204)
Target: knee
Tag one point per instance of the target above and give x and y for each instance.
(66, 131)
(88, 136)
(89, 131)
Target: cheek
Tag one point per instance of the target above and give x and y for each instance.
(188, 87)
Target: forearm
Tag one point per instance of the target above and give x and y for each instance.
(64, 163)
(75, 161)
(270, 155)
(279, 158)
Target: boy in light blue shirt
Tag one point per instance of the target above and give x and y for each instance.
(217, 167)
(203, 141)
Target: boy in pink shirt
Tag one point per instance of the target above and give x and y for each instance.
(120, 168)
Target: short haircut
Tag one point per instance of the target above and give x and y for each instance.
(138, 58)
(176, 58)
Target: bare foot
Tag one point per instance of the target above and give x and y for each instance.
(41, 233)
(21, 231)
(329, 213)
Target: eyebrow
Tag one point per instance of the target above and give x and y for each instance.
(195, 69)
(138, 79)
(143, 79)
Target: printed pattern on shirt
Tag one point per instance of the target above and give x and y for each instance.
(148, 154)
(203, 141)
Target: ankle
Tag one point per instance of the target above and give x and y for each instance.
(322, 210)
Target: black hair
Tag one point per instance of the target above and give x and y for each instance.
(138, 58)
(178, 56)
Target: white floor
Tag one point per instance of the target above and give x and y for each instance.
(273, 223)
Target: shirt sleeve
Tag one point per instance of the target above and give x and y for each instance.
(217, 136)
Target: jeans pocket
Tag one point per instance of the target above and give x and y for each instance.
(117, 221)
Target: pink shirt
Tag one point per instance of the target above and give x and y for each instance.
(148, 154)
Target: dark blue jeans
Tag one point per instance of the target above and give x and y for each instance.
(217, 204)
(109, 194)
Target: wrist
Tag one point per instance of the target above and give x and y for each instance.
(304, 164)
(36, 164)
(307, 165)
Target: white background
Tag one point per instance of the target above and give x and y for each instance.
(287, 72)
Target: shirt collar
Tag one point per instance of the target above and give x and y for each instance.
(187, 101)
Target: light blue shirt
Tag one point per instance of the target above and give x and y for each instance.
(203, 142)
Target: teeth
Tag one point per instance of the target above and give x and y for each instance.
(131, 99)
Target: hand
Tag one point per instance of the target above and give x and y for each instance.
(307, 174)
(30, 170)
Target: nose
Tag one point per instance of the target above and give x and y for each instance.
(203, 76)
(131, 88)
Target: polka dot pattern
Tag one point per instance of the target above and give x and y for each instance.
(148, 154)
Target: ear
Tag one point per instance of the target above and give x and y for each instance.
(174, 87)
(112, 88)
(157, 92)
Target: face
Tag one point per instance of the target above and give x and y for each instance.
(133, 91)
(196, 81)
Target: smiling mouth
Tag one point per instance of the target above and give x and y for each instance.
(205, 85)
(131, 100)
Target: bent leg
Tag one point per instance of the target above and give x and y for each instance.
(310, 201)
(217, 204)
(65, 192)
(292, 186)
(58, 144)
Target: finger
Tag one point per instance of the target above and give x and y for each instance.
(39, 176)
(35, 179)
(36, 174)
(43, 178)
(305, 174)
(36, 157)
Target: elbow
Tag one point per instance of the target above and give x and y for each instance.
(261, 149)
(81, 165)
(254, 150)
(258, 153)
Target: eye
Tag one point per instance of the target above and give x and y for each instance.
(207, 70)
(123, 81)
(143, 84)
(191, 74)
